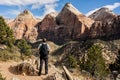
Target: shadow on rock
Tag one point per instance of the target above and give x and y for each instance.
(13, 70)
(23, 69)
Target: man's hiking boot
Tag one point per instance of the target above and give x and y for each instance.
(46, 73)
(39, 74)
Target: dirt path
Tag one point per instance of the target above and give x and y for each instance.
(10, 74)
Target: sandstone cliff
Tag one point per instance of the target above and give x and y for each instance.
(68, 24)
(103, 14)
(106, 30)
(24, 26)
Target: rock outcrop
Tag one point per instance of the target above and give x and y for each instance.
(106, 30)
(25, 69)
(103, 14)
(24, 26)
(68, 24)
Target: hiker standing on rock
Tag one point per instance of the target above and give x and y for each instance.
(43, 51)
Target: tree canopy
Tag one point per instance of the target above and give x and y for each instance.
(6, 34)
(24, 47)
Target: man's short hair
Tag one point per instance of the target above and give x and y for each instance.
(44, 40)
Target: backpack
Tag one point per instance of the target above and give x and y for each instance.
(43, 50)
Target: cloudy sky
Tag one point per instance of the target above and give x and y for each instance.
(39, 8)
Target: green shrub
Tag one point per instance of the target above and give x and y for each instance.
(71, 61)
(6, 34)
(1, 77)
(6, 55)
(24, 47)
(95, 63)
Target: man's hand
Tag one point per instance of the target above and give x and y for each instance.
(37, 49)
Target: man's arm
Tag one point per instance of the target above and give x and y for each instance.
(48, 48)
(39, 46)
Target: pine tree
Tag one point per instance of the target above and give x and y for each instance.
(24, 47)
(95, 63)
(6, 34)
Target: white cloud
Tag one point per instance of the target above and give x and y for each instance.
(35, 6)
(47, 5)
(42, 3)
(25, 2)
(10, 13)
(49, 8)
(14, 12)
(111, 7)
(92, 11)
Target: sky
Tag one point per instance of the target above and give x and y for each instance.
(39, 8)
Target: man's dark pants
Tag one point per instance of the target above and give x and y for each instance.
(45, 59)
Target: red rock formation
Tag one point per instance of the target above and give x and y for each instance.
(103, 14)
(49, 22)
(68, 24)
(107, 29)
(24, 26)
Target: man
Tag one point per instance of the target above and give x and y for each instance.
(43, 51)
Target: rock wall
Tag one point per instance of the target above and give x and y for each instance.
(69, 24)
(103, 14)
(106, 29)
(24, 26)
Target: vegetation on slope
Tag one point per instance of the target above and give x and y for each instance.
(24, 47)
(95, 63)
(93, 56)
(1, 77)
(12, 47)
(6, 34)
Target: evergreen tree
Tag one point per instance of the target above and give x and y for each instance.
(95, 63)
(6, 34)
(24, 47)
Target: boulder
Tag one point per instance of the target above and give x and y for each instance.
(25, 69)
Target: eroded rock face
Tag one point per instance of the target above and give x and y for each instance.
(107, 29)
(24, 26)
(47, 26)
(103, 14)
(68, 24)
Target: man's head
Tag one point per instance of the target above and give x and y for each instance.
(44, 39)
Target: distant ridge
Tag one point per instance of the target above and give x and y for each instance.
(103, 14)
(24, 26)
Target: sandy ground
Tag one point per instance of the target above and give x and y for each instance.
(9, 73)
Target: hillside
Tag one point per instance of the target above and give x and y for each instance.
(88, 47)
(66, 25)
(76, 54)
(24, 26)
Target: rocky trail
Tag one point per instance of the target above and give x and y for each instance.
(11, 74)
(7, 69)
